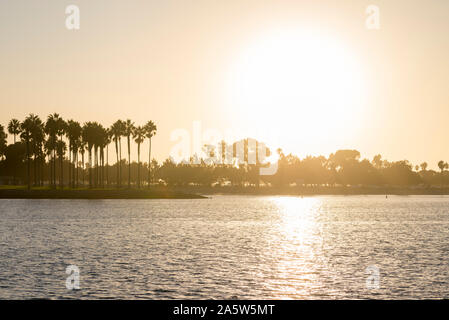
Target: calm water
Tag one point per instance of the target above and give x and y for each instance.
(226, 247)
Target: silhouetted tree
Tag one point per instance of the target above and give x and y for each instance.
(116, 132)
(128, 131)
(26, 129)
(423, 166)
(150, 131)
(14, 128)
(139, 137)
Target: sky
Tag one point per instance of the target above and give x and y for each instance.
(306, 76)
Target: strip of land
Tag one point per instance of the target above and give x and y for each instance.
(317, 190)
(196, 192)
(21, 193)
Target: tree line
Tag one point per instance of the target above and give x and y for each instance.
(67, 154)
(48, 150)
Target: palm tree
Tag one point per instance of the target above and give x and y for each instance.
(61, 129)
(96, 139)
(14, 128)
(49, 146)
(139, 137)
(150, 131)
(76, 136)
(61, 148)
(82, 149)
(116, 132)
(102, 141)
(69, 133)
(73, 131)
(37, 142)
(107, 141)
(53, 128)
(89, 136)
(26, 129)
(128, 131)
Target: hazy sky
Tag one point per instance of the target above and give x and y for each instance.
(306, 76)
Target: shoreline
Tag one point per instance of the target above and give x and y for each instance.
(200, 192)
(316, 191)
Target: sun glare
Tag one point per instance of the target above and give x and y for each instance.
(296, 80)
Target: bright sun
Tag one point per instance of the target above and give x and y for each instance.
(296, 80)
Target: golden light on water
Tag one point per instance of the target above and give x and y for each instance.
(301, 253)
(298, 216)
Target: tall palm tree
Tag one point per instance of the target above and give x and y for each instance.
(61, 148)
(82, 150)
(116, 132)
(101, 140)
(122, 133)
(128, 131)
(107, 141)
(150, 131)
(53, 128)
(73, 131)
(89, 136)
(14, 128)
(26, 128)
(61, 129)
(69, 133)
(49, 146)
(96, 139)
(139, 137)
(76, 136)
(37, 142)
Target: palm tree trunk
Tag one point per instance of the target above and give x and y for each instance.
(107, 165)
(120, 162)
(54, 169)
(28, 164)
(98, 168)
(70, 163)
(102, 166)
(50, 174)
(62, 165)
(95, 167)
(129, 163)
(61, 178)
(42, 170)
(138, 165)
(75, 179)
(83, 167)
(72, 167)
(35, 170)
(149, 164)
(90, 168)
(117, 164)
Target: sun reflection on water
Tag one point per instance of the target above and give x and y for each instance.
(300, 248)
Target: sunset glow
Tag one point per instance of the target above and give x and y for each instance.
(297, 79)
